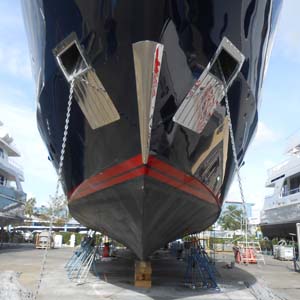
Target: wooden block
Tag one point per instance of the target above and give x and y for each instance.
(140, 277)
(143, 267)
(143, 284)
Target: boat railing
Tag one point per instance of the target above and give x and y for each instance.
(281, 168)
(277, 169)
(291, 192)
(11, 194)
(273, 201)
(13, 165)
(268, 203)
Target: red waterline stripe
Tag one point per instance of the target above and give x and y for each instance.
(102, 185)
(92, 182)
(144, 171)
(175, 173)
(124, 171)
(117, 169)
(134, 162)
(108, 173)
(89, 189)
(198, 193)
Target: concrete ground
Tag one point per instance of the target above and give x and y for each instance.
(276, 280)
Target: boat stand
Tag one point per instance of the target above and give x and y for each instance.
(142, 274)
(82, 261)
(200, 272)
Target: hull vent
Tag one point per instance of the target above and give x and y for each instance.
(208, 91)
(93, 99)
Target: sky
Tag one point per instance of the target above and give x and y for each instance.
(278, 115)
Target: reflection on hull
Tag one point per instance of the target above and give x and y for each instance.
(144, 179)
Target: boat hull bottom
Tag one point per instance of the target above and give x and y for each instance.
(144, 214)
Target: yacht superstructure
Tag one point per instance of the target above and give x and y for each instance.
(12, 197)
(281, 210)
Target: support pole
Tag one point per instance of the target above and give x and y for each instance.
(142, 274)
(298, 238)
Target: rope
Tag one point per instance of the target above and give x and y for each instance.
(61, 162)
(237, 169)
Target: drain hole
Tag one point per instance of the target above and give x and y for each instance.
(228, 64)
(70, 57)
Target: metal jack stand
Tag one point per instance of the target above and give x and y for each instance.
(199, 272)
(296, 265)
(81, 262)
(297, 250)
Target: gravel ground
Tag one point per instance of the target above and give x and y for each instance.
(20, 272)
(10, 287)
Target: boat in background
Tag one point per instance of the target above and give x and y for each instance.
(12, 197)
(281, 211)
(148, 157)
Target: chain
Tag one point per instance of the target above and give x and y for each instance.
(237, 169)
(61, 162)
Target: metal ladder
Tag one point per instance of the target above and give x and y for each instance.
(82, 260)
(200, 272)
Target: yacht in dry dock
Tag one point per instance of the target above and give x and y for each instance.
(12, 197)
(148, 156)
(281, 211)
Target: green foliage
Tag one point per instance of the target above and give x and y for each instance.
(66, 236)
(4, 236)
(231, 218)
(266, 245)
(78, 237)
(59, 222)
(213, 241)
(45, 217)
(58, 206)
(29, 206)
(99, 240)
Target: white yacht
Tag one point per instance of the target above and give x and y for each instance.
(281, 210)
(12, 197)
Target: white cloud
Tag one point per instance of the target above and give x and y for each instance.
(14, 57)
(17, 109)
(268, 164)
(40, 177)
(234, 192)
(253, 193)
(14, 62)
(264, 134)
(288, 36)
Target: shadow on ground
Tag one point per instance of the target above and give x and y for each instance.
(168, 277)
(5, 247)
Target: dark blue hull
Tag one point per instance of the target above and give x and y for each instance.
(145, 209)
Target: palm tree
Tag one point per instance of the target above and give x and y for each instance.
(231, 218)
(29, 206)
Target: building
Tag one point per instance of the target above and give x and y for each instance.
(12, 197)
